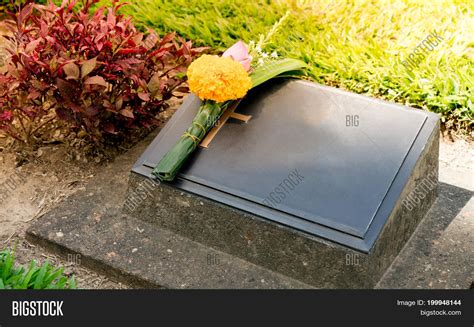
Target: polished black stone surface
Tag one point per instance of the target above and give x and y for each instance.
(323, 161)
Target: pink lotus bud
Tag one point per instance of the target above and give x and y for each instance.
(239, 52)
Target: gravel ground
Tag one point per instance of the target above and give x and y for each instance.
(34, 185)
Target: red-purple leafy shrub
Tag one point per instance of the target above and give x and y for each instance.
(94, 71)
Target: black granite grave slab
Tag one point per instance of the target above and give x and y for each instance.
(325, 165)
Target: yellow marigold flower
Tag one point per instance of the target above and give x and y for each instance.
(218, 78)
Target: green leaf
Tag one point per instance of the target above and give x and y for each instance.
(7, 266)
(275, 68)
(27, 278)
(40, 277)
(168, 167)
(54, 274)
(72, 283)
(292, 74)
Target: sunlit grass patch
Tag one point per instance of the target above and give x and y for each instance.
(356, 45)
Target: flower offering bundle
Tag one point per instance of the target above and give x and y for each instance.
(220, 82)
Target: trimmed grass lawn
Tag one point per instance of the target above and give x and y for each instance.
(356, 45)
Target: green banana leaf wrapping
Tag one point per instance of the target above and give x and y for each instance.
(170, 164)
(210, 112)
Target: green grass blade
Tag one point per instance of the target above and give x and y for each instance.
(31, 271)
(53, 275)
(40, 277)
(7, 265)
(72, 283)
